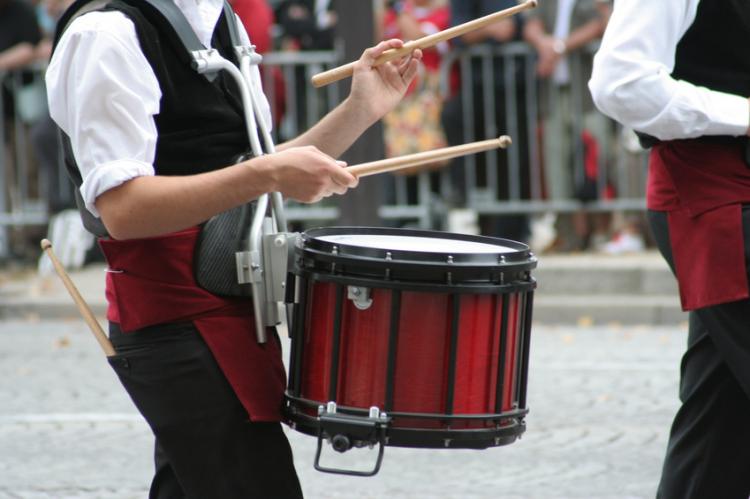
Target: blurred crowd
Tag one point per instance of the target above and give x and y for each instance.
(429, 117)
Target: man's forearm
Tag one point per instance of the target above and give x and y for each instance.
(154, 205)
(337, 131)
(17, 56)
(585, 34)
(534, 33)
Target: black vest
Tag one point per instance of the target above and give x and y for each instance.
(200, 125)
(713, 52)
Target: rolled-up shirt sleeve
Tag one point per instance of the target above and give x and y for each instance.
(104, 95)
(632, 83)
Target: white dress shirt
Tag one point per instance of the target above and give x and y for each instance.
(631, 79)
(104, 94)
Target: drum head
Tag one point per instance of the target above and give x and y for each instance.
(421, 244)
(413, 255)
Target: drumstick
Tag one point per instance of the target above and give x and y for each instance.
(345, 71)
(425, 158)
(83, 307)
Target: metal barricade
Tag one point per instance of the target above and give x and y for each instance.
(500, 93)
(26, 186)
(300, 108)
(497, 182)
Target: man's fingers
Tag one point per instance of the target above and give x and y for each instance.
(343, 178)
(403, 65)
(390, 74)
(411, 71)
(370, 55)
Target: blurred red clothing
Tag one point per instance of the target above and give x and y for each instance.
(430, 19)
(257, 17)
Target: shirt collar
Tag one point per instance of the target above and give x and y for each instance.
(202, 15)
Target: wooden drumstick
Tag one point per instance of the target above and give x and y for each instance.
(427, 157)
(345, 71)
(83, 307)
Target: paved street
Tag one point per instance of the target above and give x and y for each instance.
(601, 400)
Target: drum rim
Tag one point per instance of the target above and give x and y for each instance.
(311, 242)
(512, 427)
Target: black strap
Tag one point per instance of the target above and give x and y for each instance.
(176, 18)
(234, 34)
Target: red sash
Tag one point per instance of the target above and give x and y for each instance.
(150, 281)
(702, 186)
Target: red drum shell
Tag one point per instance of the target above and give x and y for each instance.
(422, 363)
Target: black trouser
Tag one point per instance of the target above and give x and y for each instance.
(206, 447)
(708, 455)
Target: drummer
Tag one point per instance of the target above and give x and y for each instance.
(154, 143)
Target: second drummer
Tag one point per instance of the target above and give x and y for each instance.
(153, 142)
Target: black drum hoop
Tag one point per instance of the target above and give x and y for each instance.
(441, 267)
(509, 427)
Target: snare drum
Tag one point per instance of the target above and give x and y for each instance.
(409, 338)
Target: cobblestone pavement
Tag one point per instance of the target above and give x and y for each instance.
(601, 400)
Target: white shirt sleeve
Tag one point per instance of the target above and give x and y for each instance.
(631, 81)
(99, 102)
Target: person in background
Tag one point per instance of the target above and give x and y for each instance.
(414, 125)
(44, 134)
(514, 227)
(19, 34)
(258, 18)
(303, 25)
(560, 31)
(413, 19)
(677, 72)
(306, 24)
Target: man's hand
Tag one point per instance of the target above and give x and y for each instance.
(305, 174)
(548, 56)
(377, 89)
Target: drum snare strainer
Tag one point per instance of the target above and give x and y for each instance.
(409, 338)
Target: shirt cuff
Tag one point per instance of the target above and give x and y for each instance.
(109, 175)
(730, 115)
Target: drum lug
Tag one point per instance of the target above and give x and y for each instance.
(360, 296)
(345, 431)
